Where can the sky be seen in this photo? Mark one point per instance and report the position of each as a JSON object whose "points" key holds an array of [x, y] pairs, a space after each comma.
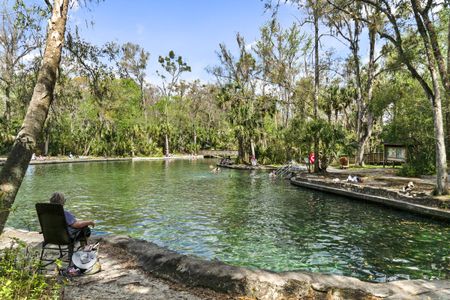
{"points": [[191, 28]]}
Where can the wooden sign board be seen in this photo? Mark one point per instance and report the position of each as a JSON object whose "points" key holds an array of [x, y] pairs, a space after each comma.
{"points": [[395, 153]]}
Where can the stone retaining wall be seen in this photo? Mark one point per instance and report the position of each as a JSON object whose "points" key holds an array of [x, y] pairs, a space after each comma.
{"points": [[426, 206], [413, 197], [260, 284]]}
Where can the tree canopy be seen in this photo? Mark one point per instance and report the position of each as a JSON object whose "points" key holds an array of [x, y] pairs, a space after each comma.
{"points": [[278, 99]]}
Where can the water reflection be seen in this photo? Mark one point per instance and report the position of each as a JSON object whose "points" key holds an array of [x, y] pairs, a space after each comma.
{"points": [[241, 217]]}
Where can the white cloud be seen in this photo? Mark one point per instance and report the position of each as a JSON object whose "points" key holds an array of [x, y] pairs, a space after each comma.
{"points": [[30, 56], [378, 47], [74, 5], [250, 46]]}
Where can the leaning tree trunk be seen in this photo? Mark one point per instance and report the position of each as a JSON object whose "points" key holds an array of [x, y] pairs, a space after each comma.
{"points": [[13, 171]]}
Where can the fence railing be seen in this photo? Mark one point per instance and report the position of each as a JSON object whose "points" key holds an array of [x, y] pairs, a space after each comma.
{"points": [[376, 158]]}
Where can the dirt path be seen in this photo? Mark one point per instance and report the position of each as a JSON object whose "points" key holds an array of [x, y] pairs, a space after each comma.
{"points": [[120, 277]]}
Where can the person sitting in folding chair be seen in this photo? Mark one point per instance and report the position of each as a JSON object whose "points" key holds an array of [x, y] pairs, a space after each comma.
{"points": [[78, 229]]}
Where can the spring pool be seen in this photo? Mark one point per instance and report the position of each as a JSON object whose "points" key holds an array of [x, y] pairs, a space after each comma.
{"points": [[241, 217]]}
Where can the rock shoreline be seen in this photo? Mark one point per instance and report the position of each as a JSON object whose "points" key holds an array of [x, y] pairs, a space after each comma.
{"points": [[260, 284], [138, 269]]}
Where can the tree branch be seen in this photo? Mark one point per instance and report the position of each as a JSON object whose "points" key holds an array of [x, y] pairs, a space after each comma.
{"points": [[49, 5]]}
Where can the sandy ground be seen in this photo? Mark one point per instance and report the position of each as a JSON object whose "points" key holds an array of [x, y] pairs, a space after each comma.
{"points": [[120, 277]]}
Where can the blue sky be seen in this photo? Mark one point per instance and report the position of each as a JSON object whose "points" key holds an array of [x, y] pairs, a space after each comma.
{"points": [[192, 28]]}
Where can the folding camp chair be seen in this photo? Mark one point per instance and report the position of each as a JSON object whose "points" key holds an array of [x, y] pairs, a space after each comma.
{"points": [[55, 232]]}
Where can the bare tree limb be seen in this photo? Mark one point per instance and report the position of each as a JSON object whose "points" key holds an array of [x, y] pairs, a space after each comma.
{"points": [[49, 5]]}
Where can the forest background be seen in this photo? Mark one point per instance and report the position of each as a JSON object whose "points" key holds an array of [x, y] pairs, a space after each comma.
{"points": [[279, 98]]}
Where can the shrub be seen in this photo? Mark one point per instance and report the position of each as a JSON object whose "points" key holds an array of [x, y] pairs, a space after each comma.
{"points": [[20, 277], [343, 161]]}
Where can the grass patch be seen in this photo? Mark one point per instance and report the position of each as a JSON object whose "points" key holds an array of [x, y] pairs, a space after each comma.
{"points": [[20, 277]]}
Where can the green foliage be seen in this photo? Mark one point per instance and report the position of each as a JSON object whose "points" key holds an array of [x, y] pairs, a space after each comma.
{"points": [[411, 124], [263, 97], [332, 139], [19, 276], [173, 65]]}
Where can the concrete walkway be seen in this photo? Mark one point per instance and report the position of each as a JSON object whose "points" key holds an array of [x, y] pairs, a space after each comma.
{"points": [[372, 195], [384, 173], [380, 185]]}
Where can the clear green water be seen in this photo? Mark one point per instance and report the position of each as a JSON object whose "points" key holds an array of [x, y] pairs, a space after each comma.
{"points": [[242, 218]]}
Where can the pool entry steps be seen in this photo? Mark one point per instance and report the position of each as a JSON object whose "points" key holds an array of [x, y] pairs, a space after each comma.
{"points": [[289, 171]]}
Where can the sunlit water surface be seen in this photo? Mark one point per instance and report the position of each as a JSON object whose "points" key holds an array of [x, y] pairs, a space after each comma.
{"points": [[242, 218]]}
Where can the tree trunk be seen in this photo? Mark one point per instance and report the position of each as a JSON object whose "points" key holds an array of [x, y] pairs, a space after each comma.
{"points": [[365, 136], [442, 66], [441, 156], [316, 85], [195, 141], [46, 143], [241, 150], [87, 148], [434, 58], [360, 107], [7, 114], [143, 101], [13, 171], [447, 117], [287, 100], [448, 51], [252, 148], [166, 145], [433, 94], [439, 133]]}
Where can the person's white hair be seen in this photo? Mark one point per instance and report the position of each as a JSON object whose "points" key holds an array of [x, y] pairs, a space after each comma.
{"points": [[58, 198]]}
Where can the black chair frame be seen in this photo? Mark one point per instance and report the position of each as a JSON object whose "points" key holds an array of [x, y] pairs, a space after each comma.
{"points": [[62, 252], [55, 232]]}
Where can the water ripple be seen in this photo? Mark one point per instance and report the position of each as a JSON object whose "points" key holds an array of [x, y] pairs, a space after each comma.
{"points": [[242, 218]]}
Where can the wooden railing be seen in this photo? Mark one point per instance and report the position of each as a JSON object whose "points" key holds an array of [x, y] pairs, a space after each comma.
{"points": [[376, 158]]}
